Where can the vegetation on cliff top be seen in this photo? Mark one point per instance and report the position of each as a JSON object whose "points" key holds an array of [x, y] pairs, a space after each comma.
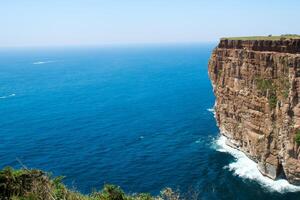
{"points": [[27, 184], [270, 37]]}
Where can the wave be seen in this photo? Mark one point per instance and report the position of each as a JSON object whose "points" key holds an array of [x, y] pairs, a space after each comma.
{"points": [[42, 62], [246, 168], [211, 110], [7, 96], [197, 141]]}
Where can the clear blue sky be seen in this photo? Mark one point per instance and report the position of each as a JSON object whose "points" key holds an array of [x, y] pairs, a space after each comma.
{"points": [[96, 22]]}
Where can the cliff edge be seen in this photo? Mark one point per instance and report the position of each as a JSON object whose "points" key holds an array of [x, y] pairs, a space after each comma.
{"points": [[257, 85]]}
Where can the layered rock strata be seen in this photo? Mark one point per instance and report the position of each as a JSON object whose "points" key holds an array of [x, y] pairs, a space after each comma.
{"points": [[257, 87]]}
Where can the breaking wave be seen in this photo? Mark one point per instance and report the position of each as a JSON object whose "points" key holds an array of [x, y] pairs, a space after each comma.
{"points": [[246, 168], [7, 96], [211, 110]]}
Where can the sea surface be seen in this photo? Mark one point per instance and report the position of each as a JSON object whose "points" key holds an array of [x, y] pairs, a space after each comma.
{"points": [[140, 117]]}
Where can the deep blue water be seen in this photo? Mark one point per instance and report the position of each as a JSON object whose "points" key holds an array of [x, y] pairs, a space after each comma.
{"points": [[132, 116]]}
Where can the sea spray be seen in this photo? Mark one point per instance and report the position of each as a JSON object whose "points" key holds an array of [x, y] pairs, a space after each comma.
{"points": [[246, 168]]}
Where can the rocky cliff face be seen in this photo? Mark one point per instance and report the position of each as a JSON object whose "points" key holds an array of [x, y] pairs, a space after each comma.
{"points": [[257, 87]]}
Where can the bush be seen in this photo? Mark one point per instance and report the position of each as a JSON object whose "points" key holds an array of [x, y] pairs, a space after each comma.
{"points": [[272, 101], [264, 85], [298, 137], [267, 85], [110, 192], [27, 184]]}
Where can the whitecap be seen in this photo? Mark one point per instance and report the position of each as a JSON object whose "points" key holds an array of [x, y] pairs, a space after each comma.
{"points": [[42, 62], [246, 168], [7, 96]]}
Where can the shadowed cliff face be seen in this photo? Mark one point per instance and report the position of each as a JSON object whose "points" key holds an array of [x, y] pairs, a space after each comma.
{"points": [[257, 87], [282, 46]]}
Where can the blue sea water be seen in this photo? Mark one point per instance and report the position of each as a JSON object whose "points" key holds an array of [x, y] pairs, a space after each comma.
{"points": [[135, 116]]}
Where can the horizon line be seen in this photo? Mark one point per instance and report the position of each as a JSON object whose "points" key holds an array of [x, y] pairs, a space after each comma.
{"points": [[113, 44]]}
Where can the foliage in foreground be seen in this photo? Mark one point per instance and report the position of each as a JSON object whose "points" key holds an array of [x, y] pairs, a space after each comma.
{"points": [[26, 184]]}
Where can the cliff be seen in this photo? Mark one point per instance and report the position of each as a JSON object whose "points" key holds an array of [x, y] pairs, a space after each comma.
{"points": [[257, 87]]}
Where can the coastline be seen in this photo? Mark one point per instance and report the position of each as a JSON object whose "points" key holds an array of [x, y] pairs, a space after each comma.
{"points": [[246, 168]]}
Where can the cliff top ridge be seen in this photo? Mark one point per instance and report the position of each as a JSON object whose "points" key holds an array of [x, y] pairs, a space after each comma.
{"points": [[285, 43], [269, 37]]}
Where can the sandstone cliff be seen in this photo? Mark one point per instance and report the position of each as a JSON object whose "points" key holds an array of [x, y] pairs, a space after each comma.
{"points": [[257, 87]]}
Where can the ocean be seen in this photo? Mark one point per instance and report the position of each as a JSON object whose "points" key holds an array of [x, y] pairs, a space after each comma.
{"points": [[140, 117]]}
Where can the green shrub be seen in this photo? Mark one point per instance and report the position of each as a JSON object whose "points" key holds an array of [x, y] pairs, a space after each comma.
{"points": [[219, 72], [59, 189], [267, 85], [111, 192], [27, 184], [272, 101], [144, 196], [298, 137], [264, 85]]}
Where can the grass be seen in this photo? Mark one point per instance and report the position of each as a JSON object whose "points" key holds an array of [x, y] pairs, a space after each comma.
{"points": [[270, 37], [277, 89], [266, 86], [27, 184]]}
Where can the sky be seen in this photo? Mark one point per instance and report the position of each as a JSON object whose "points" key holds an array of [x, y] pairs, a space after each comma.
{"points": [[98, 22]]}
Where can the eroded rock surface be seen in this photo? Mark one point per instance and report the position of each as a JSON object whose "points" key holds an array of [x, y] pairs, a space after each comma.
{"points": [[257, 87]]}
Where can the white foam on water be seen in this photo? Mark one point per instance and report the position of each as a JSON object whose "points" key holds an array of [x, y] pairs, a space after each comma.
{"points": [[42, 62], [7, 96], [246, 168], [212, 110]]}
